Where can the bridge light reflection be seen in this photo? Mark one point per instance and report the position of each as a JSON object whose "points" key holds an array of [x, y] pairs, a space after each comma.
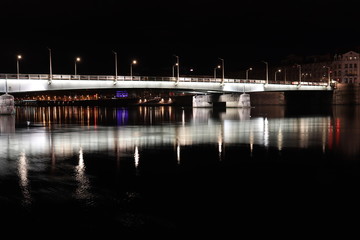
{"points": [[228, 130], [178, 153], [136, 157], [23, 175], [82, 190], [266, 132], [280, 139]]}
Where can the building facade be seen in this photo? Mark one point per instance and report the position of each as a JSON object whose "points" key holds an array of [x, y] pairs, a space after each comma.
{"points": [[342, 68], [345, 67]]}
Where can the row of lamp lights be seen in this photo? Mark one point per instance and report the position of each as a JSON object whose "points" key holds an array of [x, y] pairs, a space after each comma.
{"points": [[133, 62], [77, 60], [279, 70]]}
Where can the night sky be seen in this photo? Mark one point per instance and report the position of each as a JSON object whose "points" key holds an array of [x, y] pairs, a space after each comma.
{"points": [[200, 32]]}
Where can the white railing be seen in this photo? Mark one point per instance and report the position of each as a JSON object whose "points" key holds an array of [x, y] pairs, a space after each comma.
{"points": [[149, 78]]}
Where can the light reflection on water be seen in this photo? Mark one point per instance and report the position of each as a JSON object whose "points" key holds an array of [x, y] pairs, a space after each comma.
{"points": [[57, 135], [83, 187], [49, 136], [23, 179]]}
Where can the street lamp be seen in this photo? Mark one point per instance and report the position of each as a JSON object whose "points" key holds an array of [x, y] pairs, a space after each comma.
{"points": [[50, 66], [19, 57], [222, 71], [116, 73], [267, 72], [173, 69], [328, 74], [218, 66], [277, 71], [132, 63], [177, 70], [299, 66], [247, 73], [76, 61]]}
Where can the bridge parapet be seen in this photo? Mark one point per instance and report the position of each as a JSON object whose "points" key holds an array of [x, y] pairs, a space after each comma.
{"points": [[46, 82]]}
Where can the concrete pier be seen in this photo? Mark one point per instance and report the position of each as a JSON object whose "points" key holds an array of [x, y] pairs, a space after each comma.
{"points": [[223, 100], [7, 104]]}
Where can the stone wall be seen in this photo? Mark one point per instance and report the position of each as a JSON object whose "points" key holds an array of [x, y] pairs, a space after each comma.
{"points": [[346, 94], [267, 98]]}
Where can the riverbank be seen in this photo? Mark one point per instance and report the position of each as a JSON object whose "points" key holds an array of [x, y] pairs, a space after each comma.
{"points": [[113, 102]]}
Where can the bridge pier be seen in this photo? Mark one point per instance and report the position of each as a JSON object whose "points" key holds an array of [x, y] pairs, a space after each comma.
{"points": [[223, 100]]}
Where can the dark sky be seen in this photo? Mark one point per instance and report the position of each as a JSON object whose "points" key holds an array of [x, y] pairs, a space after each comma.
{"points": [[243, 33]]}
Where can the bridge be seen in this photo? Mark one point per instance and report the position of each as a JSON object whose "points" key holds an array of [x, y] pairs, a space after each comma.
{"points": [[22, 83]]}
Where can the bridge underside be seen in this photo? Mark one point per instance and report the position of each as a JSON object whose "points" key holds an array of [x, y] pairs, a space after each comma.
{"points": [[226, 95], [29, 85]]}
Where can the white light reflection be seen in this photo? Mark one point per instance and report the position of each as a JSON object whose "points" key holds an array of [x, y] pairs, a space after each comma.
{"points": [[23, 181], [251, 142], [324, 135], [266, 133], [136, 157], [82, 191], [220, 146], [183, 117], [178, 153], [280, 139]]}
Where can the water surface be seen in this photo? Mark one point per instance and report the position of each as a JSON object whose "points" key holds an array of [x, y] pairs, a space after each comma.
{"points": [[178, 170]]}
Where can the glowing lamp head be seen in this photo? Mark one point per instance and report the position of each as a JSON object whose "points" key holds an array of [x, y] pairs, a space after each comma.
{"points": [[19, 57], [134, 62], [78, 59]]}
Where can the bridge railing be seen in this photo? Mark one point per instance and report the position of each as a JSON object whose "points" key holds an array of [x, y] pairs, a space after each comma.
{"points": [[149, 78]]}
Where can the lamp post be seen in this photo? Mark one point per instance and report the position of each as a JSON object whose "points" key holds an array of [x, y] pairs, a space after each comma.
{"points": [[76, 61], [177, 70], [173, 69], [218, 66], [18, 58], [299, 66], [222, 71], [277, 71], [50, 66], [247, 73], [267, 72], [116, 71], [132, 63], [328, 74]]}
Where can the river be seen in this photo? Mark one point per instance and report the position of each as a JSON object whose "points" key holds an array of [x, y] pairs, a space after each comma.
{"points": [[268, 169]]}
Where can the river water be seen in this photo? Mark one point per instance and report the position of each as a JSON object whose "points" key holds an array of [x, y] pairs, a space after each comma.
{"points": [[267, 170]]}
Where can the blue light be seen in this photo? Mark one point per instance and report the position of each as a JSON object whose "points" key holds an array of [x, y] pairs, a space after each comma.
{"points": [[122, 94]]}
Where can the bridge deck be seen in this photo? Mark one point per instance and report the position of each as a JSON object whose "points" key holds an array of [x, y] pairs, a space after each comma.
{"points": [[45, 82]]}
